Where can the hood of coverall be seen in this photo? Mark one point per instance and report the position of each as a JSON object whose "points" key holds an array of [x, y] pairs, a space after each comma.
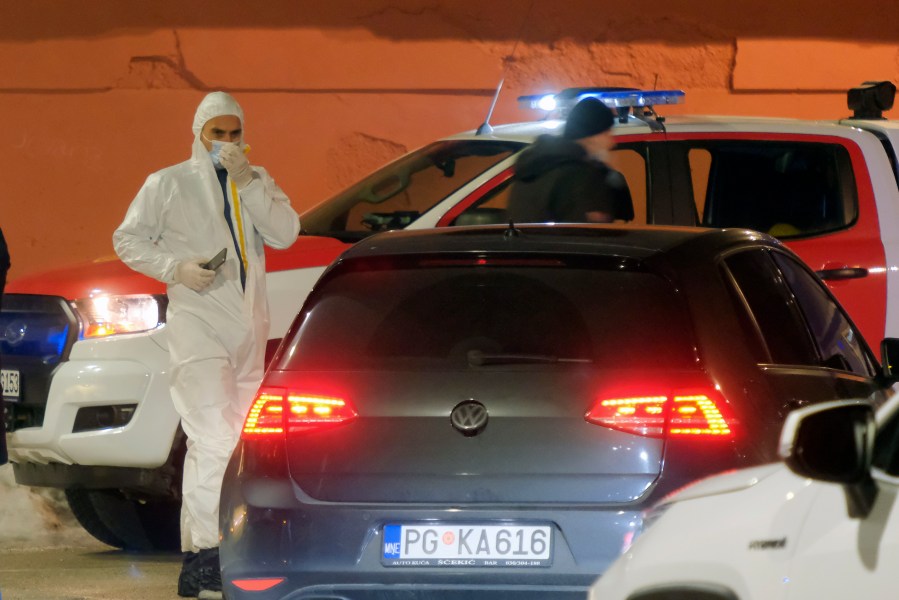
{"points": [[215, 104]]}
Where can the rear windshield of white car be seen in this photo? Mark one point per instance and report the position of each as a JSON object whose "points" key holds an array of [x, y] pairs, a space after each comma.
{"points": [[452, 313], [396, 195]]}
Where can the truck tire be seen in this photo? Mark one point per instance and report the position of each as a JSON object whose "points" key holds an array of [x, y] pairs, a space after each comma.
{"points": [[79, 501], [128, 524], [162, 524]]}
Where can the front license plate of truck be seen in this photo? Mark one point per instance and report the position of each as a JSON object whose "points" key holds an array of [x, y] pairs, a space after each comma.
{"points": [[10, 381], [468, 545]]}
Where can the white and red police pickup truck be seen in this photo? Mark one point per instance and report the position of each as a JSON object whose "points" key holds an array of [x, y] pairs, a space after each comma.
{"points": [[84, 348]]}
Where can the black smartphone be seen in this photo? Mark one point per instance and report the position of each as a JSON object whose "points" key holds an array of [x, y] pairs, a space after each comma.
{"points": [[216, 261]]}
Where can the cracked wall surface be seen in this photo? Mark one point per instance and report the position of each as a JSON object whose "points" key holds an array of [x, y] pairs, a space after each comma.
{"points": [[100, 93]]}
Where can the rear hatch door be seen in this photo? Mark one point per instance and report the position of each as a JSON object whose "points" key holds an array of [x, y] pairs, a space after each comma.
{"points": [[530, 344]]}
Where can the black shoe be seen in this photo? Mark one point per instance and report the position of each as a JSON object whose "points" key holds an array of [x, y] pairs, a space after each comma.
{"points": [[210, 579], [189, 579]]}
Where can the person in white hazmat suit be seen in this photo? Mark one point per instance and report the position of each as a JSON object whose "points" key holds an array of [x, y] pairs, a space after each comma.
{"points": [[217, 320]]}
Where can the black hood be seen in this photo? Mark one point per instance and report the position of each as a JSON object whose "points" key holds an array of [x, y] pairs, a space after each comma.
{"points": [[547, 153]]}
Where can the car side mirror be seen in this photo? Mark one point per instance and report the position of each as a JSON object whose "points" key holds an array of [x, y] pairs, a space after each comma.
{"points": [[834, 442], [889, 359]]}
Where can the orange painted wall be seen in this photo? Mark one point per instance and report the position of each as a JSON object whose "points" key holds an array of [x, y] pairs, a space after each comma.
{"points": [[96, 94]]}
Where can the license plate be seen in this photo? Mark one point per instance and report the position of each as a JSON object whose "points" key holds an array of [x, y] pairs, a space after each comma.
{"points": [[469, 545], [10, 380]]}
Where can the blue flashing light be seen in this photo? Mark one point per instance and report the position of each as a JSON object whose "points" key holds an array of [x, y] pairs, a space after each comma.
{"points": [[635, 98], [547, 102], [57, 339], [613, 98], [537, 101]]}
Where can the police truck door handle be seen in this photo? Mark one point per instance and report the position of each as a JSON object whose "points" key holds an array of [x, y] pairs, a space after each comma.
{"points": [[842, 273]]}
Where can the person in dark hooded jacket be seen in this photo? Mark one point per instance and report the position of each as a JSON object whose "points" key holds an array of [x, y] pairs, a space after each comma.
{"points": [[564, 179]]}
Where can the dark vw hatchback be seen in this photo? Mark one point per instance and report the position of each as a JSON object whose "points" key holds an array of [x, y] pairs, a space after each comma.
{"points": [[484, 412]]}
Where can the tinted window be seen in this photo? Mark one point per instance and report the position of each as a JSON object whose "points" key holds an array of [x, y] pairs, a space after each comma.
{"points": [[787, 189], [631, 163], [396, 195], [430, 315], [772, 308], [838, 341]]}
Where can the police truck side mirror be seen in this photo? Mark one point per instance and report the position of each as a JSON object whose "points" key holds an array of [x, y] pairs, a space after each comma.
{"points": [[889, 359]]}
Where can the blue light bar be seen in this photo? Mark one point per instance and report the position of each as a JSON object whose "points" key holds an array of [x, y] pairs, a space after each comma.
{"points": [[613, 98], [536, 101], [637, 98]]}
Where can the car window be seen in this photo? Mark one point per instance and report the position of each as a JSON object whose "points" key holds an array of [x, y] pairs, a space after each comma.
{"points": [[838, 341], [396, 195], [629, 161], [489, 209], [787, 189], [772, 308], [431, 314]]}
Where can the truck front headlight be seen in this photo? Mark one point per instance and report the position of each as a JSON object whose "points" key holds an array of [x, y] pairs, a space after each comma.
{"points": [[106, 315]]}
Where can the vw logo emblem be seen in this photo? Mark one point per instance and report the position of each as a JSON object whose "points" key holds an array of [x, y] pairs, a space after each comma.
{"points": [[469, 417], [14, 332]]}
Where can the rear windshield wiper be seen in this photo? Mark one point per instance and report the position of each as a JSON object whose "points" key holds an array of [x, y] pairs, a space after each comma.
{"points": [[477, 358]]}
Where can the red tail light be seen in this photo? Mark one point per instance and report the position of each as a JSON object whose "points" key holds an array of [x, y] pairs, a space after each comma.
{"points": [[279, 410], [681, 413]]}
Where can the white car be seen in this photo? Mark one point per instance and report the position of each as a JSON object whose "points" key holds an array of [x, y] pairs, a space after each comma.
{"points": [[823, 524]]}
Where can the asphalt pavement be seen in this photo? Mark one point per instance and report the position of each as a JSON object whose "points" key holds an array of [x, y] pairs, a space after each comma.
{"points": [[46, 555], [91, 572]]}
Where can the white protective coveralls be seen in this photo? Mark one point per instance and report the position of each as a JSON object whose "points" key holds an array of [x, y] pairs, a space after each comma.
{"points": [[216, 337]]}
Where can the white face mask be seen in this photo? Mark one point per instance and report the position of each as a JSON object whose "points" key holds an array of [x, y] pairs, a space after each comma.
{"points": [[215, 151]]}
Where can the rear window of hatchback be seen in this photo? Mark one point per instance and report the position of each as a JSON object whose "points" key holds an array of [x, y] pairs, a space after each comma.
{"points": [[433, 312]]}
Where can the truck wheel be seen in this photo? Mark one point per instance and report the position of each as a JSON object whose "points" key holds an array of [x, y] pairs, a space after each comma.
{"points": [[129, 524], [162, 524], [142, 526], [80, 503]]}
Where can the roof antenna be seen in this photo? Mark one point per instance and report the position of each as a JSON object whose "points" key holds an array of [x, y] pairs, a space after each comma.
{"points": [[485, 127]]}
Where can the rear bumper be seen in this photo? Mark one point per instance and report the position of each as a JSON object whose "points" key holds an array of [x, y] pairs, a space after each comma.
{"points": [[414, 591], [326, 550]]}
